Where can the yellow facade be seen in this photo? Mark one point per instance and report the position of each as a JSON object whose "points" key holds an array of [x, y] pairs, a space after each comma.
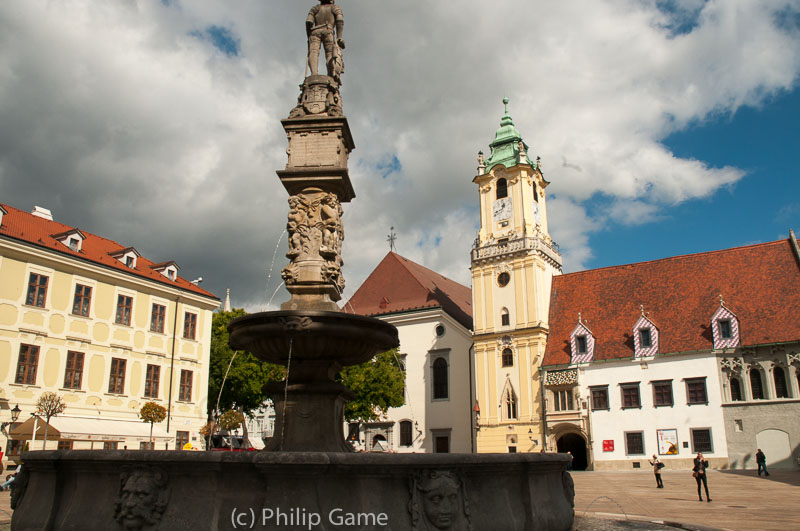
{"points": [[53, 331], [512, 265]]}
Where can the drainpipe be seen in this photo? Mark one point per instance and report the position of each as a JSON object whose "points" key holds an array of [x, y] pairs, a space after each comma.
{"points": [[172, 361], [544, 409], [472, 386]]}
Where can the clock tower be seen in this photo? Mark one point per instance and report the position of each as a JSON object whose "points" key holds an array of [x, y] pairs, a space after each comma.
{"points": [[512, 262]]}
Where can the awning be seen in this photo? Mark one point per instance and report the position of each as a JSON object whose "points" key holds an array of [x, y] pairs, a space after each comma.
{"points": [[89, 429]]}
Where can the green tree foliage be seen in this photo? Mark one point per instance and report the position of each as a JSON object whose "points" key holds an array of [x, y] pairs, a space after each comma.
{"points": [[231, 420], [377, 384], [152, 412], [247, 375]]}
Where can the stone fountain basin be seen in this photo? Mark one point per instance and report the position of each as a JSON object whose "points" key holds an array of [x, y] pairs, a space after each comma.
{"points": [[312, 335], [84, 489]]}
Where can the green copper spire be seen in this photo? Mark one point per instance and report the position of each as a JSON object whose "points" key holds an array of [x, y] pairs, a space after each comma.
{"points": [[506, 144]]}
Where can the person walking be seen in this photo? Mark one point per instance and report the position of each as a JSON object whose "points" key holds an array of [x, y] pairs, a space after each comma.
{"points": [[657, 466], [699, 473], [761, 459]]}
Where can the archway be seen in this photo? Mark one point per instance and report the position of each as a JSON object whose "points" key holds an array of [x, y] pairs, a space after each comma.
{"points": [[574, 443]]}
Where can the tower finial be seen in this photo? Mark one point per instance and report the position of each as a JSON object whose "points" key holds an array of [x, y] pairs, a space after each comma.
{"points": [[641, 309], [505, 102], [391, 239]]}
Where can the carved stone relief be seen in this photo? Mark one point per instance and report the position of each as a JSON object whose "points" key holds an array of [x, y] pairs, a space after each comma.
{"points": [[319, 96], [438, 502], [143, 497]]}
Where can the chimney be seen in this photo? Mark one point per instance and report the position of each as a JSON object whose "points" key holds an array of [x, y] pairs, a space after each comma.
{"points": [[41, 212]]}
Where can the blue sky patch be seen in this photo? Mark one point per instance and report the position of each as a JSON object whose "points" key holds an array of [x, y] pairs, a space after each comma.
{"points": [[222, 39], [389, 166], [682, 20]]}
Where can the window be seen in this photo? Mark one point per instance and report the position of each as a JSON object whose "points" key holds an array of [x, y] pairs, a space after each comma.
{"points": [[510, 404], [185, 390], [116, 380], [441, 444], [151, 381], [181, 438], [508, 357], [440, 383], [630, 395], [701, 440], [73, 375], [146, 445], [80, 304], [662, 393], [644, 338], [37, 290], [504, 318], [353, 431], [502, 188], [580, 342], [503, 279], [406, 435], [564, 400], [124, 307], [73, 243], [26, 366], [65, 445], [736, 390], [157, 318], [755, 385], [440, 330], [130, 261], [189, 325], [110, 445], [15, 447], [696, 391], [781, 390], [599, 397], [634, 443], [725, 329]]}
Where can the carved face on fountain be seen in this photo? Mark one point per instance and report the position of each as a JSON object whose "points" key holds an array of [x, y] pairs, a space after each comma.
{"points": [[142, 498], [441, 500]]}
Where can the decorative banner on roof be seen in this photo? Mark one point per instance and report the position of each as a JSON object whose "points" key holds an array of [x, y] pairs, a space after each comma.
{"points": [[563, 377]]}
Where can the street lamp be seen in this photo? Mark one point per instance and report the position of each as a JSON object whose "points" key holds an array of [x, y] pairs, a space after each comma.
{"points": [[14, 416]]}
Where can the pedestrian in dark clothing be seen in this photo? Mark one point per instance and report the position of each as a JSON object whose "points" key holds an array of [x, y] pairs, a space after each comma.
{"points": [[761, 459], [699, 473], [657, 466]]}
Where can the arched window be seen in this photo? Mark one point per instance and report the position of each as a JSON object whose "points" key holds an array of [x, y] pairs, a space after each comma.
{"points": [[406, 437], [504, 318], [440, 387], [379, 444], [510, 404], [508, 357], [781, 389], [502, 188], [736, 390], [755, 385], [535, 194]]}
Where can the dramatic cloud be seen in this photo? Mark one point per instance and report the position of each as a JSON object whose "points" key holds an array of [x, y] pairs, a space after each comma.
{"points": [[156, 123]]}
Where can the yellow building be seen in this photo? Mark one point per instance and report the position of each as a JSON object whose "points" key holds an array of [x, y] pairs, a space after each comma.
{"points": [[512, 263], [104, 328]]}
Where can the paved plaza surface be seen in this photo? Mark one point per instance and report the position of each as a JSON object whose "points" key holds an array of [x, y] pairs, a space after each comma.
{"points": [[629, 500], [740, 500]]}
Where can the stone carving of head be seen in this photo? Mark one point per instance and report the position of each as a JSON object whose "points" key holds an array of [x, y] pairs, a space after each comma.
{"points": [[438, 502], [143, 497]]}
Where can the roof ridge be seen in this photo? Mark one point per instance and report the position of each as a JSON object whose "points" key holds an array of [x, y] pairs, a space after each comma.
{"points": [[676, 257]]}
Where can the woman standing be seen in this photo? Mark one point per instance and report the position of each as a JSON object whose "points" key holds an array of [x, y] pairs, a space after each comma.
{"points": [[699, 473], [657, 466]]}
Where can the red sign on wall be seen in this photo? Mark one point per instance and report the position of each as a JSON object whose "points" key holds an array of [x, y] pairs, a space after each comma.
{"points": [[608, 446]]}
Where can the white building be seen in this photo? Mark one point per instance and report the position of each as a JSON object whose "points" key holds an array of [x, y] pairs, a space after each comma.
{"points": [[433, 317]]}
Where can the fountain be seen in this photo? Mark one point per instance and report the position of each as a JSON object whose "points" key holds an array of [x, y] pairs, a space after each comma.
{"points": [[307, 477]]}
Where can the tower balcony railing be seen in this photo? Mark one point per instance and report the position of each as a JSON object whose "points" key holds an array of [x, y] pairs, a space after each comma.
{"points": [[482, 252]]}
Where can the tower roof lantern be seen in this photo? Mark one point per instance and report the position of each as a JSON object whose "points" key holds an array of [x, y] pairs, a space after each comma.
{"points": [[506, 145]]}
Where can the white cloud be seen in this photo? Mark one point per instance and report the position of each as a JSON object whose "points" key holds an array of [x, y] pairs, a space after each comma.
{"points": [[124, 122]]}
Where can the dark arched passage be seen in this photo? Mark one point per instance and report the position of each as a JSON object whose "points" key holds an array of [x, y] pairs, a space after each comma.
{"points": [[574, 443]]}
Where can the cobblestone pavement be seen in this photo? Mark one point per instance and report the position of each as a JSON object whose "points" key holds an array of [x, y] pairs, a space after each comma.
{"points": [[740, 500]]}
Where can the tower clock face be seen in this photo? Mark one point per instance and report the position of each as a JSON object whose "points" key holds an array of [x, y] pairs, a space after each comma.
{"points": [[502, 209]]}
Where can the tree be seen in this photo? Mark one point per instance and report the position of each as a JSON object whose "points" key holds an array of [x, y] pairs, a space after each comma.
{"points": [[235, 379], [152, 412], [49, 405], [378, 385], [231, 420]]}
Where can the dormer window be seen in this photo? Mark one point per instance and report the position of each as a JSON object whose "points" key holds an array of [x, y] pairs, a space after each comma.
{"points": [[130, 261], [645, 337], [127, 256], [502, 188], [3, 212], [72, 239], [724, 327], [581, 343], [168, 269]]}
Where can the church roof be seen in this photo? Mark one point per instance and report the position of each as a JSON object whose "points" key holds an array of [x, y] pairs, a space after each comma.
{"points": [[44, 233], [760, 284], [399, 285], [505, 147]]}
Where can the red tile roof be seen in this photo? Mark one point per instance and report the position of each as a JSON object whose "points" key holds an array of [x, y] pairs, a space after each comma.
{"points": [[760, 284], [399, 285], [20, 225]]}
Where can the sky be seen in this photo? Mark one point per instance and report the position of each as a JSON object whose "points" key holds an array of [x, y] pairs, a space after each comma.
{"points": [[665, 127]]}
